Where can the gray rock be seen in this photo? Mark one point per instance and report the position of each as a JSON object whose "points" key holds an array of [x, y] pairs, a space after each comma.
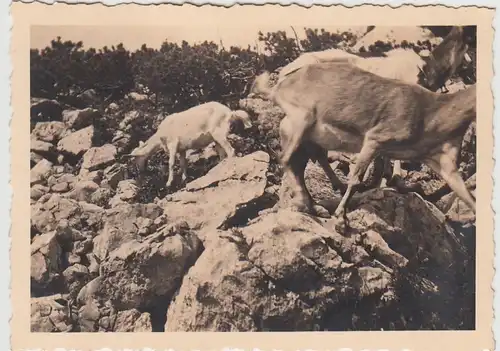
{"points": [[132, 321], [215, 199], [130, 117], [122, 141], [49, 315], [120, 226], [37, 191], [51, 209], [137, 273], [101, 197], [50, 132], [287, 270], [77, 143], [57, 178], [34, 159], [60, 187], [99, 157], [83, 190], [43, 148], [115, 174], [89, 315], [40, 173], [45, 261], [126, 192], [77, 119], [75, 278]]}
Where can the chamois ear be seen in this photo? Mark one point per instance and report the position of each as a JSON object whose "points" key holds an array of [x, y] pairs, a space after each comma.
{"points": [[141, 143]]}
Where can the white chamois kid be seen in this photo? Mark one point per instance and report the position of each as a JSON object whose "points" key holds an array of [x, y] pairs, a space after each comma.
{"points": [[195, 128]]}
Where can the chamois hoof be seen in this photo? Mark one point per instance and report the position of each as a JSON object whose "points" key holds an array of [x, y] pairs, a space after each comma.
{"points": [[341, 225], [340, 212], [403, 186]]}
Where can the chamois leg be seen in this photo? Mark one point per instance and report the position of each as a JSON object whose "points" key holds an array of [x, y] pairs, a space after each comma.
{"points": [[445, 164], [140, 163], [183, 165], [358, 170], [398, 181], [396, 171], [220, 151], [171, 149], [396, 177], [295, 169], [302, 199], [386, 170], [221, 139], [377, 170], [322, 158], [295, 123]]}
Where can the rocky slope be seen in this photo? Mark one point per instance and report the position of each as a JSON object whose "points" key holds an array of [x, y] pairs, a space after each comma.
{"points": [[216, 254], [209, 255]]}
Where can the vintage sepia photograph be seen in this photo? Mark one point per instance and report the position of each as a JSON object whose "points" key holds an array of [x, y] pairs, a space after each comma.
{"points": [[280, 177], [156, 173]]}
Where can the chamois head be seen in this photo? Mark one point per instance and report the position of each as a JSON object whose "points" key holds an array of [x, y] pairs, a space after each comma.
{"points": [[244, 117], [442, 62], [138, 156]]}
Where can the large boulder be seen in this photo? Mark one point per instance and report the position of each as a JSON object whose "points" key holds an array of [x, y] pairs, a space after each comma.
{"points": [[51, 209], [222, 196], [132, 321], [49, 314], [141, 272], [123, 224], [45, 261], [288, 271]]}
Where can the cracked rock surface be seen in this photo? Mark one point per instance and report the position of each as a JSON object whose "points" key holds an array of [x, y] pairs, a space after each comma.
{"points": [[287, 271], [214, 253], [215, 199]]}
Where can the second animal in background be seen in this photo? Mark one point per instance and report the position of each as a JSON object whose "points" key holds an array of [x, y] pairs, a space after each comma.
{"points": [[195, 128]]}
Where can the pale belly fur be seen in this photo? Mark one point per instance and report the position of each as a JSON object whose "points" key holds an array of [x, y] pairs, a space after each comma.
{"points": [[198, 141], [334, 139]]}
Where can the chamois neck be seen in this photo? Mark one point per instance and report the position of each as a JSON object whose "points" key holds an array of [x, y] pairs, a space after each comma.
{"points": [[151, 146], [461, 103]]}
